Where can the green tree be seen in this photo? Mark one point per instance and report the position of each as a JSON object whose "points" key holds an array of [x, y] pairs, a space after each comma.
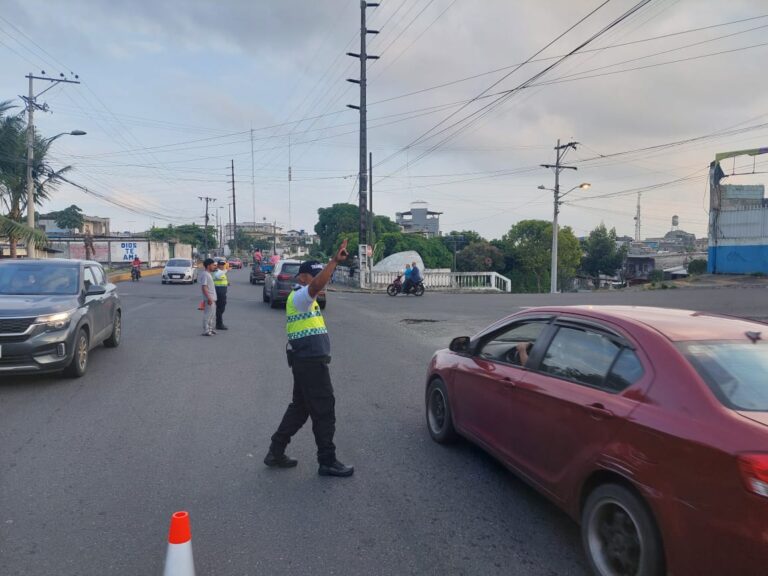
{"points": [[480, 256], [601, 253], [13, 177], [432, 251], [185, 234], [467, 237], [338, 219], [244, 242], [69, 219], [527, 249]]}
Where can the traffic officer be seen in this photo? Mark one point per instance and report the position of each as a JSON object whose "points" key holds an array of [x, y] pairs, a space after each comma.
{"points": [[221, 282], [309, 353]]}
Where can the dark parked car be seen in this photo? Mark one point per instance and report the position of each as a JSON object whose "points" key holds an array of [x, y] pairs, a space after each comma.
{"points": [[257, 273], [648, 426], [53, 313], [279, 283]]}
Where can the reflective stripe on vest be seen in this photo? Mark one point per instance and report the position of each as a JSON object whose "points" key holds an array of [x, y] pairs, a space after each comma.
{"points": [[303, 324], [220, 279]]}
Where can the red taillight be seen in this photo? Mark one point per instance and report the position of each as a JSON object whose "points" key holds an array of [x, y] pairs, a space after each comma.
{"points": [[284, 276], [754, 472]]}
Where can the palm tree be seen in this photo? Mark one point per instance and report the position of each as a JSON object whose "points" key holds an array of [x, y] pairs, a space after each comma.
{"points": [[13, 177]]}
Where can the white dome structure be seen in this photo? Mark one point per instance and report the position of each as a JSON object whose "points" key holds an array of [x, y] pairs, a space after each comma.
{"points": [[396, 262]]}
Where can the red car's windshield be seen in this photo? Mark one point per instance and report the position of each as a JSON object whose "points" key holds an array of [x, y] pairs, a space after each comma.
{"points": [[734, 370]]}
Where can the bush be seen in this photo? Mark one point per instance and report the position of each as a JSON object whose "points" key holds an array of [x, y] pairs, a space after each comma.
{"points": [[656, 276], [697, 266]]}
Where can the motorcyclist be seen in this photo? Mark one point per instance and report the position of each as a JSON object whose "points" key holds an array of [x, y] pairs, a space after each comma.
{"points": [[136, 267]]}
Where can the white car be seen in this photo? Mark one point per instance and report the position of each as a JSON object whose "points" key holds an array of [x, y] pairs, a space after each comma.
{"points": [[180, 270]]}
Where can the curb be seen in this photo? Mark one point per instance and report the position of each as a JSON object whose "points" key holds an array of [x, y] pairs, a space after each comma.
{"points": [[125, 276]]}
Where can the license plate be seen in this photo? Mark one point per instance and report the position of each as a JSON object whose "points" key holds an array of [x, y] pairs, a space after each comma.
{"points": [[176, 276]]}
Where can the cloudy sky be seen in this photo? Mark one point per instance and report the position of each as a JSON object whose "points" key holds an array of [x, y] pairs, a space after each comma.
{"points": [[173, 90]]}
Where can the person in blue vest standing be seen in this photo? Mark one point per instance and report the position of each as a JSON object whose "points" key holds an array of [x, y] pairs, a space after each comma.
{"points": [[309, 354], [221, 282]]}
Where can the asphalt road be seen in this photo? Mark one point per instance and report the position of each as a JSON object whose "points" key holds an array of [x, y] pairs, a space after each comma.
{"points": [[92, 469]]}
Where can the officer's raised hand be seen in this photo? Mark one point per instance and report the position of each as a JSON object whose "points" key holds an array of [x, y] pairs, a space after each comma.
{"points": [[319, 282]]}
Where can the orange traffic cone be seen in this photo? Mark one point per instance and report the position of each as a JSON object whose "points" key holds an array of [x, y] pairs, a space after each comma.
{"points": [[201, 306], [178, 559]]}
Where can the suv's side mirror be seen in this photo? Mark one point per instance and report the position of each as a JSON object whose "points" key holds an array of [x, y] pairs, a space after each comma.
{"points": [[459, 344], [95, 290]]}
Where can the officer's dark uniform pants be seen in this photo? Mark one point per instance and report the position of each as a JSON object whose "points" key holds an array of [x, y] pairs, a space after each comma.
{"points": [[221, 304], [312, 397]]}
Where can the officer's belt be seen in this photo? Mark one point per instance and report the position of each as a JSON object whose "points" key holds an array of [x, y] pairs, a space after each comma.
{"points": [[312, 360]]}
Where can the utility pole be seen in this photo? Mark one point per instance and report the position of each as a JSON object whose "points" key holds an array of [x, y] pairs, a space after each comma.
{"points": [[234, 211], [363, 56], [31, 102], [371, 238], [289, 182], [637, 220], [455, 239], [274, 237], [253, 181], [206, 199], [560, 151]]}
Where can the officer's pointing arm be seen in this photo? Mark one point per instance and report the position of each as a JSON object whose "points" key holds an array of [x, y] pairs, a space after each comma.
{"points": [[319, 281]]}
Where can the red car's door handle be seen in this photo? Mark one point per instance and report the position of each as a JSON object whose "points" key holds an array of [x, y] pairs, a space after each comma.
{"points": [[598, 411]]}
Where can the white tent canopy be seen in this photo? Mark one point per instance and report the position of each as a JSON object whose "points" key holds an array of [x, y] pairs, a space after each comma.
{"points": [[396, 262]]}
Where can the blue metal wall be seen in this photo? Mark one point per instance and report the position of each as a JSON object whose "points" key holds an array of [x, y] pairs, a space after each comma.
{"points": [[738, 259]]}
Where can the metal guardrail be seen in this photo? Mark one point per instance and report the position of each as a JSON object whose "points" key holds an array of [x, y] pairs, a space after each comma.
{"points": [[432, 279]]}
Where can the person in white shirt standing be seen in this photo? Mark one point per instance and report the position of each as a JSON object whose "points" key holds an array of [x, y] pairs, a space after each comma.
{"points": [[209, 297]]}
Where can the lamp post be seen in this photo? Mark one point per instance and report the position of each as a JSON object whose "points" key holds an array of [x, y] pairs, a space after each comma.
{"points": [[555, 230], [31, 184]]}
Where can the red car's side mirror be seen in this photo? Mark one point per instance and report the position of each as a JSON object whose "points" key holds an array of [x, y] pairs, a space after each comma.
{"points": [[459, 344]]}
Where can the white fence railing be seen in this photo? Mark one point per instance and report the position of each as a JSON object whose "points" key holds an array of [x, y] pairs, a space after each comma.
{"points": [[432, 279]]}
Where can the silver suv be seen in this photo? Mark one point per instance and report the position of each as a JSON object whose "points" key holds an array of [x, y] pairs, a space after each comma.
{"points": [[53, 313], [279, 283]]}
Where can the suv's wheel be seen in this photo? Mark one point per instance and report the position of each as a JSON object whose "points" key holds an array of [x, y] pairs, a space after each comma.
{"points": [[322, 304], [439, 415], [272, 302], [619, 534], [79, 362], [117, 331], [264, 294]]}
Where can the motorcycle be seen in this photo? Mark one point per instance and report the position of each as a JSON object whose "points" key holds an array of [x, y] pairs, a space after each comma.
{"points": [[417, 289], [135, 274]]}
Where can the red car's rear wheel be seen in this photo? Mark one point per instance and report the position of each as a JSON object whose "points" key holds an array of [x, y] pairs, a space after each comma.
{"points": [[619, 534]]}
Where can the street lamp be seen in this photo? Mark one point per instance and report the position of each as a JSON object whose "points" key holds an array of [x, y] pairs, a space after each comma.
{"points": [[31, 184], [555, 229]]}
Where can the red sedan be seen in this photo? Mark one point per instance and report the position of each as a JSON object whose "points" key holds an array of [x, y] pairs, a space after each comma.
{"points": [[648, 426], [235, 263]]}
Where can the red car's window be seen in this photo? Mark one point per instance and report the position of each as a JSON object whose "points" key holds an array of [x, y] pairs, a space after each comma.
{"points": [[734, 370], [502, 345], [582, 356], [626, 371]]}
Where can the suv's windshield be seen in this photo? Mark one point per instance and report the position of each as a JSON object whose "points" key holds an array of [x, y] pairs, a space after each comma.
{"points": [[43, 279], [179, 263], [734, 370]]}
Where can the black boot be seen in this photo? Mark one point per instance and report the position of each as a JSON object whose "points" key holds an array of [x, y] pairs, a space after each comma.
{"points": [[279, 460], [335, 469]]}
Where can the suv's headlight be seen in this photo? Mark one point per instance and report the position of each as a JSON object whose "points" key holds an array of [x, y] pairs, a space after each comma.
{"points": [[57, 321]]}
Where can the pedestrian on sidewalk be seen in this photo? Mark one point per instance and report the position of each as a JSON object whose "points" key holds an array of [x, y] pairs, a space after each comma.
{"points": [[209, 297], [221, 282], [309, 354]]}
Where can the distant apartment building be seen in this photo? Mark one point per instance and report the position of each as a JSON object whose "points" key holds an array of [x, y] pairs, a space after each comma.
{"points": [[419, 219], [255, 230]]}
